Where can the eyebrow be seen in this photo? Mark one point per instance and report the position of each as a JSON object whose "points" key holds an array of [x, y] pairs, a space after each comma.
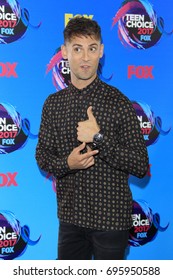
{"points": [[79, 45]]}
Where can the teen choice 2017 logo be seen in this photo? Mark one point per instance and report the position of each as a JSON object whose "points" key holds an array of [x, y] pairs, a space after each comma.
{"points": [[14, 239], [60, 70], [145, 224], [14, 21], [14, 131], [138, 24], [151, 126]]}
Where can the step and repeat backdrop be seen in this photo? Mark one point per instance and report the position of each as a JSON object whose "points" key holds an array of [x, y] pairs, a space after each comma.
{"points": [[138, 59]]}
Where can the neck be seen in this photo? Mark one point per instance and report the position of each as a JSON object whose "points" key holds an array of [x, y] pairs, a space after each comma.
{"points": [[80, 83]]}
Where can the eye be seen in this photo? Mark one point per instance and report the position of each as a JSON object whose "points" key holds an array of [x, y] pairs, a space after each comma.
{"points": [[93, 49], [77, 49]]}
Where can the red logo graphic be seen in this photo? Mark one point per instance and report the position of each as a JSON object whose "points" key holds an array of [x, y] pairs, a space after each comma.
{"points": [[8, 69], [8, 179], [141, 72]]}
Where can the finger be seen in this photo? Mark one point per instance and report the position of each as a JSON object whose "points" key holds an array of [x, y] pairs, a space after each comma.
{"points": [[79, 124], [90, 113], [88, 148], [89, 162], [89, 154], [81, 147]]}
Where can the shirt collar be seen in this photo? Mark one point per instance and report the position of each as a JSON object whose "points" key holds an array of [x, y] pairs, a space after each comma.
{"points": [[86, 90]]}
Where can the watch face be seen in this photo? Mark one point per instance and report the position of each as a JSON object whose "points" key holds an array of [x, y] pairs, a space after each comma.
{"points": [[98, 138]]}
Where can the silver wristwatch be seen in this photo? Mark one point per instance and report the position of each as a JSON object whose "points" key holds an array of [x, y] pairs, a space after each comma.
{"points": [[97, 139]]}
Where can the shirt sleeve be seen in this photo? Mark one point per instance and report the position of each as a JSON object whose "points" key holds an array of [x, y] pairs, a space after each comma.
{"points": [[126, 150], [46, 152]]}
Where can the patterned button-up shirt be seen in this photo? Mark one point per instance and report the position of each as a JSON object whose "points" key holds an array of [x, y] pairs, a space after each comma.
{"points": [[98, 197]]}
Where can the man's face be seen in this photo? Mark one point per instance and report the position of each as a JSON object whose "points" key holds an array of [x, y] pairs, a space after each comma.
{"points": [[83, 54]]}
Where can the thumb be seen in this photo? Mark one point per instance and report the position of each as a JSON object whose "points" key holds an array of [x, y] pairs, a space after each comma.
{"points": [[90, 113]]}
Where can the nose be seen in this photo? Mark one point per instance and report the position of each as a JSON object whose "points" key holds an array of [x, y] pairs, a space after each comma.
{"points": [[85, 55]]}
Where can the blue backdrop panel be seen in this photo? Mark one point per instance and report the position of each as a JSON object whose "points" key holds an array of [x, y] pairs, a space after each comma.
{"points": [[138, 60]]}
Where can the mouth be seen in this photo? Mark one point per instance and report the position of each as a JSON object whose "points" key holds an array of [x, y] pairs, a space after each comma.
{"points": [[85, 67]]}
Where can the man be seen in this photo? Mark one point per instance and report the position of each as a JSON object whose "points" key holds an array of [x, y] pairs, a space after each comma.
{"points": [[90, 140]]}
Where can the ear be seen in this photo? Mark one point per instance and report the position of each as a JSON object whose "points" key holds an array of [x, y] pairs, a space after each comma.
{"points": [[101, 50], [64, 51]]}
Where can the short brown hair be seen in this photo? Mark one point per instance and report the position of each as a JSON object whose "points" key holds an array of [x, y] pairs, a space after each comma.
{"points": [[82, 26]]}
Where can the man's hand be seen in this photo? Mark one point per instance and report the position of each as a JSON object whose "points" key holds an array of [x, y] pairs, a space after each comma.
{"points": [[87, 129], [76, 160]]}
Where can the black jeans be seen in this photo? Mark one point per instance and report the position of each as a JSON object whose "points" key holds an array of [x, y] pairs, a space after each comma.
{"points": [[78, 243]]}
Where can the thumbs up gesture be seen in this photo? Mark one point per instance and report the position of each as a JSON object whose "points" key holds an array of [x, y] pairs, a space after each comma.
{"points": [[87, 129]]}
